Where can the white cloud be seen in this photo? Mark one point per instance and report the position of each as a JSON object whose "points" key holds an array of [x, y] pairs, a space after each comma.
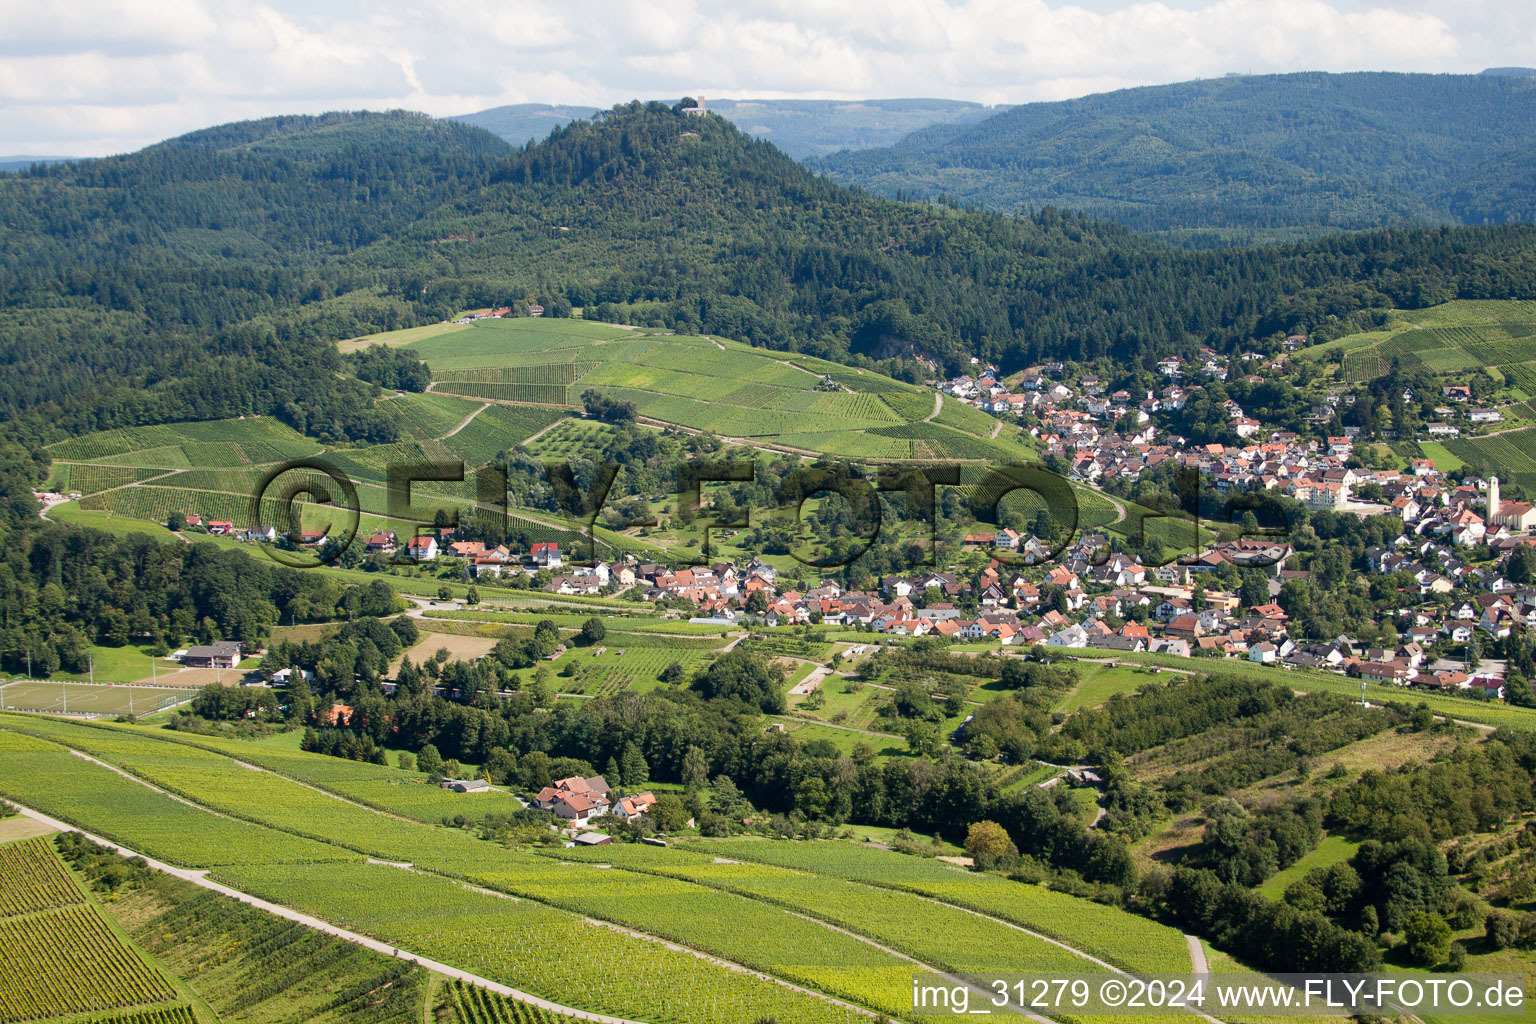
{"points": [[96, 76]]}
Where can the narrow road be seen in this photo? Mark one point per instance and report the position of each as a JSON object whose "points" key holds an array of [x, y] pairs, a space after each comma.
{"points": [[938, 407], [1197, 954], [200, 878]]}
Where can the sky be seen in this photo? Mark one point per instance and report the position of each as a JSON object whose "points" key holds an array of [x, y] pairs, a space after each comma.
{"points": [[91, 77]]}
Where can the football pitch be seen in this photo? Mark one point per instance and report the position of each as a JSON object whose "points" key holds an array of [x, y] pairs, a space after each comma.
{"points": [[88, 699]]}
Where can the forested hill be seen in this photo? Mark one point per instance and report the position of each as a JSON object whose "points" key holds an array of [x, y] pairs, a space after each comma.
{"points": [[686, 221], [801, 128], [1279, 154], [207, 276], [201, 277]]}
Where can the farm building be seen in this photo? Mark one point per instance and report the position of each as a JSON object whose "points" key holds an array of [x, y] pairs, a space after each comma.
{"points": [[219, 654], [466, 785]]}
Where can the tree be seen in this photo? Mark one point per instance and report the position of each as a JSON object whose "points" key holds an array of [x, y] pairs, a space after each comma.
{"points": [[501, 766], [593, 631], [695, 769], [472, 596], [632, 764], [1427, 937], [612, 775], [406, 760], [668, 813], [1255, 589], [429, 760], [987, 842]]}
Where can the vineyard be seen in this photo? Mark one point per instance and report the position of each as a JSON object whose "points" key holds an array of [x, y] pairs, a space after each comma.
{"points": [[60, 956], [1132, 941], [470, 1004], [1457, 336], [252, 966], [1511, 454], [753, 913], [85, 478], [533, 373], [532, 947], [613, 672], [186, 445], [426, 416], [496, 429], [540, 394], [47, 777], [160, 1015], [32, 878], [938, 935]]}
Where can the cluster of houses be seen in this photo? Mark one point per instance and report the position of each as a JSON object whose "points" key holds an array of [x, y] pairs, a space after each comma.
{"points": [[578, 800]]}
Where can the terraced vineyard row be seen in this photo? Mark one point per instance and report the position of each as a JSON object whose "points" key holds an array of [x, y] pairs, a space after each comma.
{"points": [[425, 416], [32, 878], [544, 394], [495, 430], [88, 479], [46, 776], [262, 435], [471, 1004], [530, 946], [1133, 942], [534, 373], [167, 1015], [67, 961]]}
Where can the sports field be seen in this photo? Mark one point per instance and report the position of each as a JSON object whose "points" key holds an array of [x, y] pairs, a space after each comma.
{"points": [[85, 699]]}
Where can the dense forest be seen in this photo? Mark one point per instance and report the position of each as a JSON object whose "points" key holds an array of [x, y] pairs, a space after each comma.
{"points": [[207, 276], [1242, 156]]}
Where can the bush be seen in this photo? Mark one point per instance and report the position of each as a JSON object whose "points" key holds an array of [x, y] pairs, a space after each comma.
{"points": [[1427, 937]]}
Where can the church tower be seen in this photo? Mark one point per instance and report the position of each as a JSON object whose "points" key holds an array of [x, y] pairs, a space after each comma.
{"points": [[1493, 497]]}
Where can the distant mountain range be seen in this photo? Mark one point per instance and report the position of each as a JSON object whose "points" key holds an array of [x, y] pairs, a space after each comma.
{"points": [[1243, 157], [801, 128], [21, 163]]}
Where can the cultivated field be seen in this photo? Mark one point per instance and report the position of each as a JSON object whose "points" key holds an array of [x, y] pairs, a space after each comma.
{"points": [[60, 956], [1499, 336], [847, 922]]}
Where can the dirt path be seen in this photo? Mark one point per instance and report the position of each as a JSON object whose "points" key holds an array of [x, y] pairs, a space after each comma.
{"points": [[200, 878], [996, 429], [541, 432], [806, 720], [938, 407], [465, 422]]}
